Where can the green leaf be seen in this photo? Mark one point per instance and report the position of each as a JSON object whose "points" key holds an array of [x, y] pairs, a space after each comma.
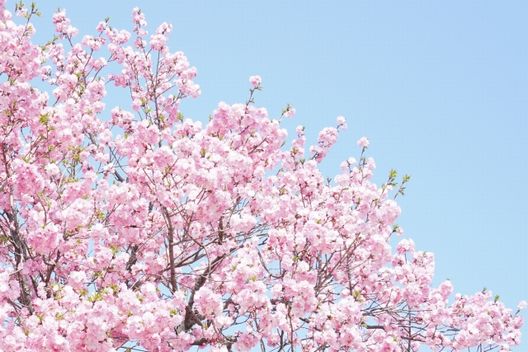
{"points": [[44, 119]]}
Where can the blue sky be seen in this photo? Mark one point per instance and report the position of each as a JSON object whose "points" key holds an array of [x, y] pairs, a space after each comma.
{"points": [[439, 88]]}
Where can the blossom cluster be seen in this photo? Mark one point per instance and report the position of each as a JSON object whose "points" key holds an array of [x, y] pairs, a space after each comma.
{"points": [[134, 227]]}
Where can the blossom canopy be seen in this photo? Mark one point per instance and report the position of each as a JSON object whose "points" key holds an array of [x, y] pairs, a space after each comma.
{"points": [[136, 228]]}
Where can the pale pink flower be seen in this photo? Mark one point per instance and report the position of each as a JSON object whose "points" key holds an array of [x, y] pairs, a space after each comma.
{"points": [[255, 81], [341, 122], [363, 142]]}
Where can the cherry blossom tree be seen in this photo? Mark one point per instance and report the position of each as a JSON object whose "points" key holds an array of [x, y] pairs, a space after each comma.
{"points": [[135, 228]]}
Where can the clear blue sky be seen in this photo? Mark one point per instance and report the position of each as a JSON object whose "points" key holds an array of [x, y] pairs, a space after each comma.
{"points": [[440, 89]]}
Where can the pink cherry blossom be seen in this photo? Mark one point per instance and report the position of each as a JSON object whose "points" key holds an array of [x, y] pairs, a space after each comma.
{"points": [[341, 122], [135, 227], [255, 81], [363, 142]]}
